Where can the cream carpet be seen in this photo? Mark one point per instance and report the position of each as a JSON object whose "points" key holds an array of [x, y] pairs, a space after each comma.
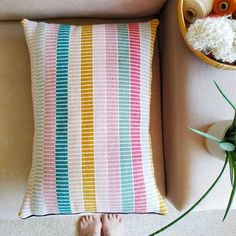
{"points": [[207, 223]]}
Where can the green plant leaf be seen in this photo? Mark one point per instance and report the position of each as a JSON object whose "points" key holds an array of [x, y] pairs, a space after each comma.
{"points": [[231, 169], [233, 188], [234, 155], [205, 135], [225, 97], [226, 146], [191, 208], [230, 139], [231, 132], [232, 128]]}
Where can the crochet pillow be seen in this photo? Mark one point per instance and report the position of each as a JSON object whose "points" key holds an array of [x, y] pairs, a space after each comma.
{"points": [[91, 100]]}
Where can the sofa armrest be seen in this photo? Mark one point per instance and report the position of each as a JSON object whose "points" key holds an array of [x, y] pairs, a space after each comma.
{"points": [[190, 99]]}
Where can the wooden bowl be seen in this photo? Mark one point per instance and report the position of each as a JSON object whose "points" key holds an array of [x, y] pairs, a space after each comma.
{"points": [[199, 54]]}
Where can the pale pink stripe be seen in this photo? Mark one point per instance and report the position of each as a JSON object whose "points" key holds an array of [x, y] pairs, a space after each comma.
{"points": [[112, 118], [100, 118], [50, 198], [74, 129], [135, 117]]}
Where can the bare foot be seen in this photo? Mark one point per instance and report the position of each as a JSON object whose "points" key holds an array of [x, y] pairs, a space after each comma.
{"points": [[90, 225], [112, 225]]}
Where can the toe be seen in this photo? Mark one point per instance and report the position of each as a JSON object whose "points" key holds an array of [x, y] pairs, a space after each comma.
{"points": [[119, 217], [90, 218], [96, 218], [104, 217], [82, 221]]}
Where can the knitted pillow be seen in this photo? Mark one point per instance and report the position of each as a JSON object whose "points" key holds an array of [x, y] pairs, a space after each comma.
{"points": [[91, 99]]}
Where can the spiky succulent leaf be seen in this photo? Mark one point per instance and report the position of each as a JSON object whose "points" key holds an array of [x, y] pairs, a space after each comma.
{"points": [[206, 135], [231, 168], [226, 146]]}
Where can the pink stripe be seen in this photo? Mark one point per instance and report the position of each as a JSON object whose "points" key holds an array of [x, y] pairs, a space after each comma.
{"points": [[112, 118], [135, 117], [50, 119]]}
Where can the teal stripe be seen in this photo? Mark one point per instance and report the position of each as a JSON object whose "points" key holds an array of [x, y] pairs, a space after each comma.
{"points": [[124, 114], [61, 149], [38, 87]]}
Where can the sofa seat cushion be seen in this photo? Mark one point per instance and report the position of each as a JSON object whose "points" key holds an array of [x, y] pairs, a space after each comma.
{"points": [[18, 9], [190, 98], [16, 122]]}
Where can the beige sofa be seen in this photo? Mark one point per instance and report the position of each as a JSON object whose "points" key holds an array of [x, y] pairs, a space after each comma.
{"points": [[185, 83]]}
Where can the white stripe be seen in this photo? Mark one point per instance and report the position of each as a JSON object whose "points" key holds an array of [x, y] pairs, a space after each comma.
{"points": [[74, 115], [100, 116], [145, 41]]}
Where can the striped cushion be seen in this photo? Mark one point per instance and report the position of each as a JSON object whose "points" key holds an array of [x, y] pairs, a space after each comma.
{"points": [[91, 99]]}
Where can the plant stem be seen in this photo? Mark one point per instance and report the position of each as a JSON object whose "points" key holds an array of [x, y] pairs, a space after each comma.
{"points": [[233, 126], [191, 208], [225, 97], [234, 184]]}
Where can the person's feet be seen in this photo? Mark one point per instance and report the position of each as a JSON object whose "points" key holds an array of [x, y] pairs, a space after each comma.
{"points": [[90, 225], [112, 225]]}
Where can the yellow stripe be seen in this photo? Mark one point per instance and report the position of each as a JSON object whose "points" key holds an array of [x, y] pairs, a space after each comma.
{"points": [[87, 124], [23, 23], [153, 24]]}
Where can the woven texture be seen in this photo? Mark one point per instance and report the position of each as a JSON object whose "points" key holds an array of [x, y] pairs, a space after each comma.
{"points": [[91, 98]]}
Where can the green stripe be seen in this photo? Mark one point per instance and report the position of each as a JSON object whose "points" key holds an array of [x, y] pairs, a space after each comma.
{"points": [[124, 114]]}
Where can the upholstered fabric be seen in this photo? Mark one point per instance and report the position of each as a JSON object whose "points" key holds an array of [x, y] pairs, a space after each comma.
{"points": [[16, 123], [91, 98], [191, 99], [18, 9]]}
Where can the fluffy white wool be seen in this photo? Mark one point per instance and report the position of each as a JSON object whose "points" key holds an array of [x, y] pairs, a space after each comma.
{"points": [[214, 35]]}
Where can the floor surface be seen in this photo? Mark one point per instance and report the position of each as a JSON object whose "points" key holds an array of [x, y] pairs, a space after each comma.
{"points": [[207, 223]]}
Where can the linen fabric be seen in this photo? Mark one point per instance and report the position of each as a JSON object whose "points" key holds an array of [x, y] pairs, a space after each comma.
{"points": [[91, 100], [49, 9], [190, 98]]}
